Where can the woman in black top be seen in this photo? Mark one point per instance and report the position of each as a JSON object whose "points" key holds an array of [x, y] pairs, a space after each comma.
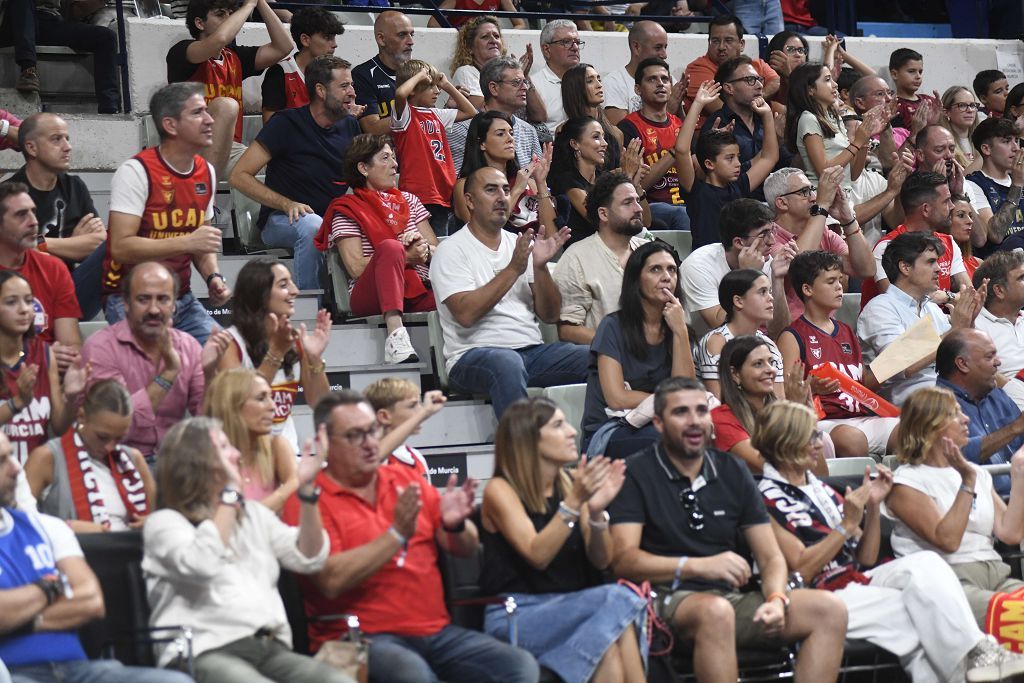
{"points": [[546, 539]]}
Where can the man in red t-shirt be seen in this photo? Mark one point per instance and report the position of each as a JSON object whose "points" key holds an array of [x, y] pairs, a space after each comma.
{"points": [[208, 59], [385, 525], [56, 307], [927, 205]]}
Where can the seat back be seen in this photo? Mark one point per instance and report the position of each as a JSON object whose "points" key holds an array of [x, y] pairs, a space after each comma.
{"points": [[681, 240], [247, 213], [850, 309], [838, 467], [339, 283], [436, 335]]}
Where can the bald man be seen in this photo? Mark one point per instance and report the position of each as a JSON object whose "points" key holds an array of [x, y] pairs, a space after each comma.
{"points": [[375, 79], [646, 39]]}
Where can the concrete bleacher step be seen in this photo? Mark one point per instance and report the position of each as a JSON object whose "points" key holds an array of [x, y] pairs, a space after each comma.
{"points": [[362, 345], [229, 267]]}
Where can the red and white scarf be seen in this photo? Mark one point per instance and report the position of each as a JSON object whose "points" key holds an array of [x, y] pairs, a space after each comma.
{"points": [[85, 490]]}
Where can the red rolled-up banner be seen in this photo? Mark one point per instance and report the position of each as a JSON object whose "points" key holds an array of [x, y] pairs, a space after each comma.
{"points": [[860, 393]]}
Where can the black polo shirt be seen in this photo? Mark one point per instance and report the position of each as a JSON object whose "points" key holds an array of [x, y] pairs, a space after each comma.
{"points": [[726, 494]]}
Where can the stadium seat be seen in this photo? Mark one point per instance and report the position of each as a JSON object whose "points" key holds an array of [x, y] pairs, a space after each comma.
{"points": [[570, 398], [839, 467], [681, 240], [850, 309]]}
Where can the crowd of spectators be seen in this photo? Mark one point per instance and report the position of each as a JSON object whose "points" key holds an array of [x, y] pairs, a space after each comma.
{"points": [[720, 382]]}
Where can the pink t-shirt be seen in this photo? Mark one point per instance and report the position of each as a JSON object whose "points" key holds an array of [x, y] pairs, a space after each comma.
{"points": [[830, 241]]}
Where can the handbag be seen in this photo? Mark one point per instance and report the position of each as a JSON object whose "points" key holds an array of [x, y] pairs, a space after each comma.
{"points": [[350, 654]]}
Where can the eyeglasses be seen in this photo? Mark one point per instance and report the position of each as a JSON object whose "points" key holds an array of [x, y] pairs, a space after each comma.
{"points": [[965, 106], [795, 50], [806, 191], [749, 80], [764, 235], [728, 42], [516, 83], [688, 499], [816, 436], [568, 43], [357, 437]]}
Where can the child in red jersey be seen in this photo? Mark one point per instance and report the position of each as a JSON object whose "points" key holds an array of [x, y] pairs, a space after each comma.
{"points": [[424, 158], [400, 413], [817, 338]]}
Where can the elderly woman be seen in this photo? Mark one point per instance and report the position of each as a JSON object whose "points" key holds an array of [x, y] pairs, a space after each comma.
{"points": [[86, 476], [479, 41], [913, 606], [384, 238], [546, 540], [244, 403], [942, 502], [212, 560]]}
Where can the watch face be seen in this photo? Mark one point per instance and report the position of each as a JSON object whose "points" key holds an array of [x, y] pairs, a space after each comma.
{"points": [[230, 497]]}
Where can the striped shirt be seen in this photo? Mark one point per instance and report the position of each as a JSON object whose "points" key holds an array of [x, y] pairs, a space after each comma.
{"points": [[706, 364]]}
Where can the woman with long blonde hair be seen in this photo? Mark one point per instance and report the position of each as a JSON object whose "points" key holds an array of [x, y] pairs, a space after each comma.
{"points": [[546, 540], [241, 399], [960, 117]]}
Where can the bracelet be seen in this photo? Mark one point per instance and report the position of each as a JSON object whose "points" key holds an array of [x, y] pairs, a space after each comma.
{"points": [[780, 596], [568, 515], [848, 235], [315, 369], [969, 492], [276, 360], [677, 578], [855, 146], [603, 524], [846, 534], [163, 383], [851, 222], [5, 126], [402, 540], [212, 275], [457, 529]]}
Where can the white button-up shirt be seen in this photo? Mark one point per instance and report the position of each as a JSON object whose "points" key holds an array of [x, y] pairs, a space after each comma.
{"points": [[1009, 340]]}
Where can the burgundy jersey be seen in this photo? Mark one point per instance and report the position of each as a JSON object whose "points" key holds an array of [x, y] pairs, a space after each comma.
{"points": [[29, 427], [840, 350]]}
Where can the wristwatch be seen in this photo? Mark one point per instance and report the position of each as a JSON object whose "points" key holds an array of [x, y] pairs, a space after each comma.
{"points": [[231, 497], [312, 497], [819, 211]]}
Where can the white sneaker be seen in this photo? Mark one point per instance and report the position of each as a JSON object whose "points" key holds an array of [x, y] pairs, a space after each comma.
{"points": [[989, 661], [398, 348]]}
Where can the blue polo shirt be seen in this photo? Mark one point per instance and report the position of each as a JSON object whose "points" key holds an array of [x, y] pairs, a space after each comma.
{"points": [[989, 415], [305, 157]]}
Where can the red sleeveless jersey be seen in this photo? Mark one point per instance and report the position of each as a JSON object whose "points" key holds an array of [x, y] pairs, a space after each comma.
{"points": [[222, 77], [840, 350], [658, 140], [175, 207], [295, 93], [426, 159], [28, 429]]}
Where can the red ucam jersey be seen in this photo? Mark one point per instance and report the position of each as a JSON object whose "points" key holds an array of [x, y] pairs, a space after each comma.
{"points": [[29, 427], [295, 93], [658, 139], [427, 170], [176, 205], [840, 350], [222, 77]]}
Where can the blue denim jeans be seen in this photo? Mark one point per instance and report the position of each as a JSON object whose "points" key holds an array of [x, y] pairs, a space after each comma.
{"points": [[101, 671], [453, 654], [674, 217], [504, 374], [88, 279], [297, 236], [759, 16], [189, 316]]}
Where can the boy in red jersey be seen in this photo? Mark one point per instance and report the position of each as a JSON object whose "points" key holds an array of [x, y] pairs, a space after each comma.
{"points": [[401, 414], [425, 160], [208, 59], [817, 338]]}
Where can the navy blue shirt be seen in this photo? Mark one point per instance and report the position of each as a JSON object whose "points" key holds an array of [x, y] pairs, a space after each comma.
{"points": [[750, 141], [305, 163], [703, 204], [375, 87], [989, 415]]}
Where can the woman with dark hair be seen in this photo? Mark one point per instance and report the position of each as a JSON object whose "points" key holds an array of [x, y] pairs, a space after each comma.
{"points": [[642, 343], [579, 157], [913, 607], [384, 238], [546, 542], [746, 374], [583, 95], [86, 476], [32, 400], [1014, 107], [212, 560], [815, 131], [786, 51], [243, 402], [745, 295], [265, 341], [490, 142]]}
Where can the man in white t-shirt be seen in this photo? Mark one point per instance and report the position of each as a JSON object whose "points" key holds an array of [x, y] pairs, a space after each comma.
{"points": [[561, 45], [1002, 318], [747, 238], [490, 287], [646, 39]]}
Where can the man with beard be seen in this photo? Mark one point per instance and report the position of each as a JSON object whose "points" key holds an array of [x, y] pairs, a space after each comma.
{"points": [[491, 287], [302, 150], [164, 368], [161, 208], [47, 590], [677, 522], [375, 78], [589, 274], [646, 39], [927, 206]]}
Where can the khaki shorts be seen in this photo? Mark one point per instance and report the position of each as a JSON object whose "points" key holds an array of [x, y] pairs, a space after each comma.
{"points": [[981, 580], [748, 633]]}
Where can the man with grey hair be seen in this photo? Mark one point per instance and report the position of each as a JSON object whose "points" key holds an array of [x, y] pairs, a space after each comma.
{"points": [[1001, 316], [504, 86], [161, 205], [799, 221], [646, 39], [561, 45]]}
